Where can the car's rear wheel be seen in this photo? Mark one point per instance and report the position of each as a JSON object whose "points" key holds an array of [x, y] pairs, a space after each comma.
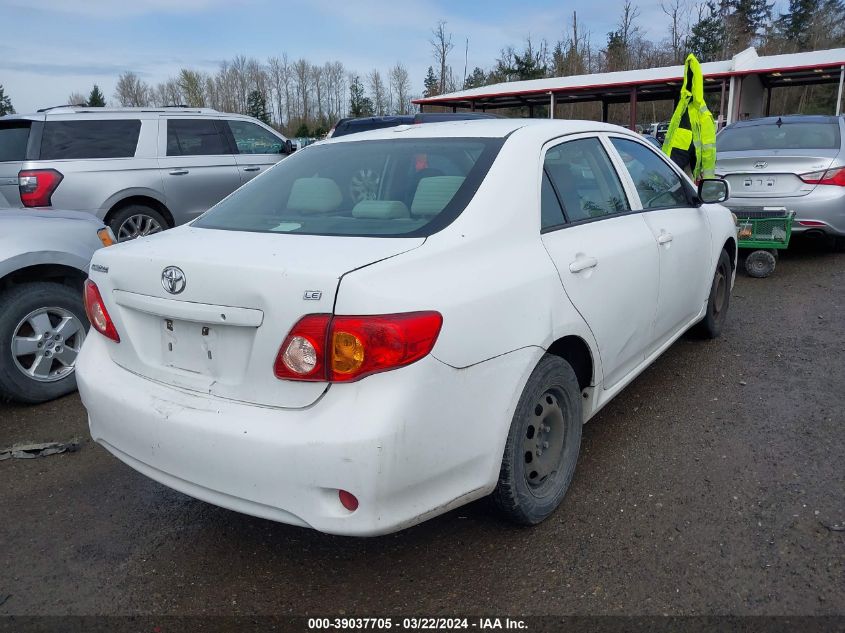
{"points": [[42, 328], [543, 444], [719, 300], [136, 220]]}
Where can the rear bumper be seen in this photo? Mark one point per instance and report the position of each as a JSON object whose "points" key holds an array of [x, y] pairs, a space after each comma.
{"points": [[409, 444], [825, 204]]}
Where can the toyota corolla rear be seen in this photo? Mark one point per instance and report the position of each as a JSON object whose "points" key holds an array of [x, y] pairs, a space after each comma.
{"points": [[221, 368], [796, 162]]}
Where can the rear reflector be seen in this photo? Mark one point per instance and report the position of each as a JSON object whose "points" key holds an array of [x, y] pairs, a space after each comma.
{"points": [[811, 223], [830, 177], [321, 347], [348, 500], [97, 313], [36, 186]]}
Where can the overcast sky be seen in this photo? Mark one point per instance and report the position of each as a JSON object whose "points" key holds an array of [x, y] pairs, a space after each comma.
{"points": [[51, 48]]}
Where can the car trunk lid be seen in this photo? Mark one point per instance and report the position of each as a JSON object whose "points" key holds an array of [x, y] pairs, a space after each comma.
{"points": [[764, 174], [220, 329]]}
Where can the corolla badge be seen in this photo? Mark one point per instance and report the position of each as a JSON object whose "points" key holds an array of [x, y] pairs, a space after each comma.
{"points": [[173, 280], [760, 164]]}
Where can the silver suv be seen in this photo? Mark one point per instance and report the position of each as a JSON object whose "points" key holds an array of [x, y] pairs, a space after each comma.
{"points": [[140, 170]]}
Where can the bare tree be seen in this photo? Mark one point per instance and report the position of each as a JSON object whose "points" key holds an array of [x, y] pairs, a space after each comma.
{"points": [[131, 91], [378, 92], [441, 43], [77, 98], [192, 87], [302, 86], [678, 13], [279, 77], [400, 88]]}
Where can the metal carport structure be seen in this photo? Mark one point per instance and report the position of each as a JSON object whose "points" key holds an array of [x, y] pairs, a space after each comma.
{"points": [[745, 84]]}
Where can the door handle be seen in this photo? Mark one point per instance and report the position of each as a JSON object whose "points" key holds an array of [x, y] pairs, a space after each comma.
{"points": [[664, 238], [583, 264], [252, 168], [178, 172]]}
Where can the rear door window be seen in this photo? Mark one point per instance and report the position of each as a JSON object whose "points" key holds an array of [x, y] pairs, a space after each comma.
{"points": [[769, 135], [585, 180], [254, 139], [195, 137], [14, 136], [110, 138]]}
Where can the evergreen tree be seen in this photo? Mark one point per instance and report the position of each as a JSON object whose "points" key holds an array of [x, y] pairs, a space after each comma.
{"points": [[359, 103], [96, 99], [707, 36], [431, 84], [5, 103], [747, 19], [476, 79], [257, 107], [302, 131]]}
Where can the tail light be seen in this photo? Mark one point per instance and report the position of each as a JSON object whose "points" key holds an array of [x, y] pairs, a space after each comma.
{"points": [[829, 177], [322, 347], [97, 313], [36, 186]]}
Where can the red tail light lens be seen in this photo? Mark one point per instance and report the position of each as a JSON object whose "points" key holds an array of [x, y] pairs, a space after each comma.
{"points": [[346, 348], [97, 313], [36, 186], [829, 177]]}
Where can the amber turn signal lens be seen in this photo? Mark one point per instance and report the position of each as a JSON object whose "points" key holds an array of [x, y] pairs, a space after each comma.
{"points": [[106, 236], [348, 353]]}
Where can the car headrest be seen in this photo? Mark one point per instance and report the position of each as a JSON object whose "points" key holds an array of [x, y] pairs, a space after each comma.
{"points": [[381, 210], [434, 193], [314, 195]]}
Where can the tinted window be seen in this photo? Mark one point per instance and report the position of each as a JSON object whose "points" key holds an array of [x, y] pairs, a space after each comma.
{"points": [[390, 188], [14, 136], [550, 212], [254, 139], [585, 180], [656, 182], [90, 139], [770, 135], [194, 137]]}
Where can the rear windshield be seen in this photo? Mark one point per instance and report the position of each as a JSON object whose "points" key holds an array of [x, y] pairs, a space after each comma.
{"points": [[770, 135], [14, 136], [115, 138], [407, 187]]}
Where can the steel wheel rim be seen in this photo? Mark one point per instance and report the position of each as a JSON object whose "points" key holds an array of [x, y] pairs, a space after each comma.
{"points": [[46, 344], [136, 226], [544, 443]]}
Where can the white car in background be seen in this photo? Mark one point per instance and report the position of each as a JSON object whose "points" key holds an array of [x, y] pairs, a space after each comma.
{"points": [[392, 324]]}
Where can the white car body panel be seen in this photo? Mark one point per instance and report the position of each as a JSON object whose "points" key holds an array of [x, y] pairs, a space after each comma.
{"points": [[412, 442]]}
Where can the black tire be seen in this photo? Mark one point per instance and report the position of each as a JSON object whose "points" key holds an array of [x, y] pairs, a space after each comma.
{"points": [[136, 220], [719, 300], [760, 264], [18, 302], [549, 411]]}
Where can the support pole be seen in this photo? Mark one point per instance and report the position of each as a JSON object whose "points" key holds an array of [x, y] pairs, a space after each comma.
{"points": [[768, 100], [722, 117], [472, 106], [454, 108], [530, 110], [552, 104], [604, 107], [839, 94], [633, 109]]}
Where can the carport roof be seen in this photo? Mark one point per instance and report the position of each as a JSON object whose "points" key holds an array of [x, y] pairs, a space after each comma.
{"points": [[651, 83]]}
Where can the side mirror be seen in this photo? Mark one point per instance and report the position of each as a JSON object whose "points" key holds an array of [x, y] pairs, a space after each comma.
{"points": [[714, 190], [288, 147]]}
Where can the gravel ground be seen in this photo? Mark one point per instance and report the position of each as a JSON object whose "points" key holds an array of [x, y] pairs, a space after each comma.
{"points": [[709, 486]]}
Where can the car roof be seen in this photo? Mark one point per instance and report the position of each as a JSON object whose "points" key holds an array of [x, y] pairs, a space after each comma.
{"points": [[481, 128]]}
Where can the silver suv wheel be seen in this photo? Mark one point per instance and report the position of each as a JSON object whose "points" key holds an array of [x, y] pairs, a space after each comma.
{"points": [[138, 225], [46, 342]]}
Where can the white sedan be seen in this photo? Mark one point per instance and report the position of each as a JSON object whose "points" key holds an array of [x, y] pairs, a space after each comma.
{"points": [[392, 324]]}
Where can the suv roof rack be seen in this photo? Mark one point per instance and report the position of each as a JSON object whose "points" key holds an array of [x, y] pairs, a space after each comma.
{"points": [[82, 108], [68, 105]]}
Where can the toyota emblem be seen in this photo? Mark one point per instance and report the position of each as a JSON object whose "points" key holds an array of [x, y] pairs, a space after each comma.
{"points": [[173, 280]]}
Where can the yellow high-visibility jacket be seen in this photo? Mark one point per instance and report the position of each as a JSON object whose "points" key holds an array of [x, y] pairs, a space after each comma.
{"points": [[691, 138]]}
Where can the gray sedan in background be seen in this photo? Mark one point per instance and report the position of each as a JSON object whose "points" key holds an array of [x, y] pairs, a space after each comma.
{"points": [[44, 257], [797, 162]]}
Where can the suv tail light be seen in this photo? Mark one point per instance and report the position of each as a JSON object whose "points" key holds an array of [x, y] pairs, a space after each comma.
{"points": [[321, 347], [36, 186], [97, 313], [830, 177]]}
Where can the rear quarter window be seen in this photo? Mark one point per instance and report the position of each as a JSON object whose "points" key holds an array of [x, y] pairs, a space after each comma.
{"points": [[14, 136], [117, 138]]}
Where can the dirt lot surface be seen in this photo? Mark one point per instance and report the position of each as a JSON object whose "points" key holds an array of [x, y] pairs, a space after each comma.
{"points": [[713, 484]]}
